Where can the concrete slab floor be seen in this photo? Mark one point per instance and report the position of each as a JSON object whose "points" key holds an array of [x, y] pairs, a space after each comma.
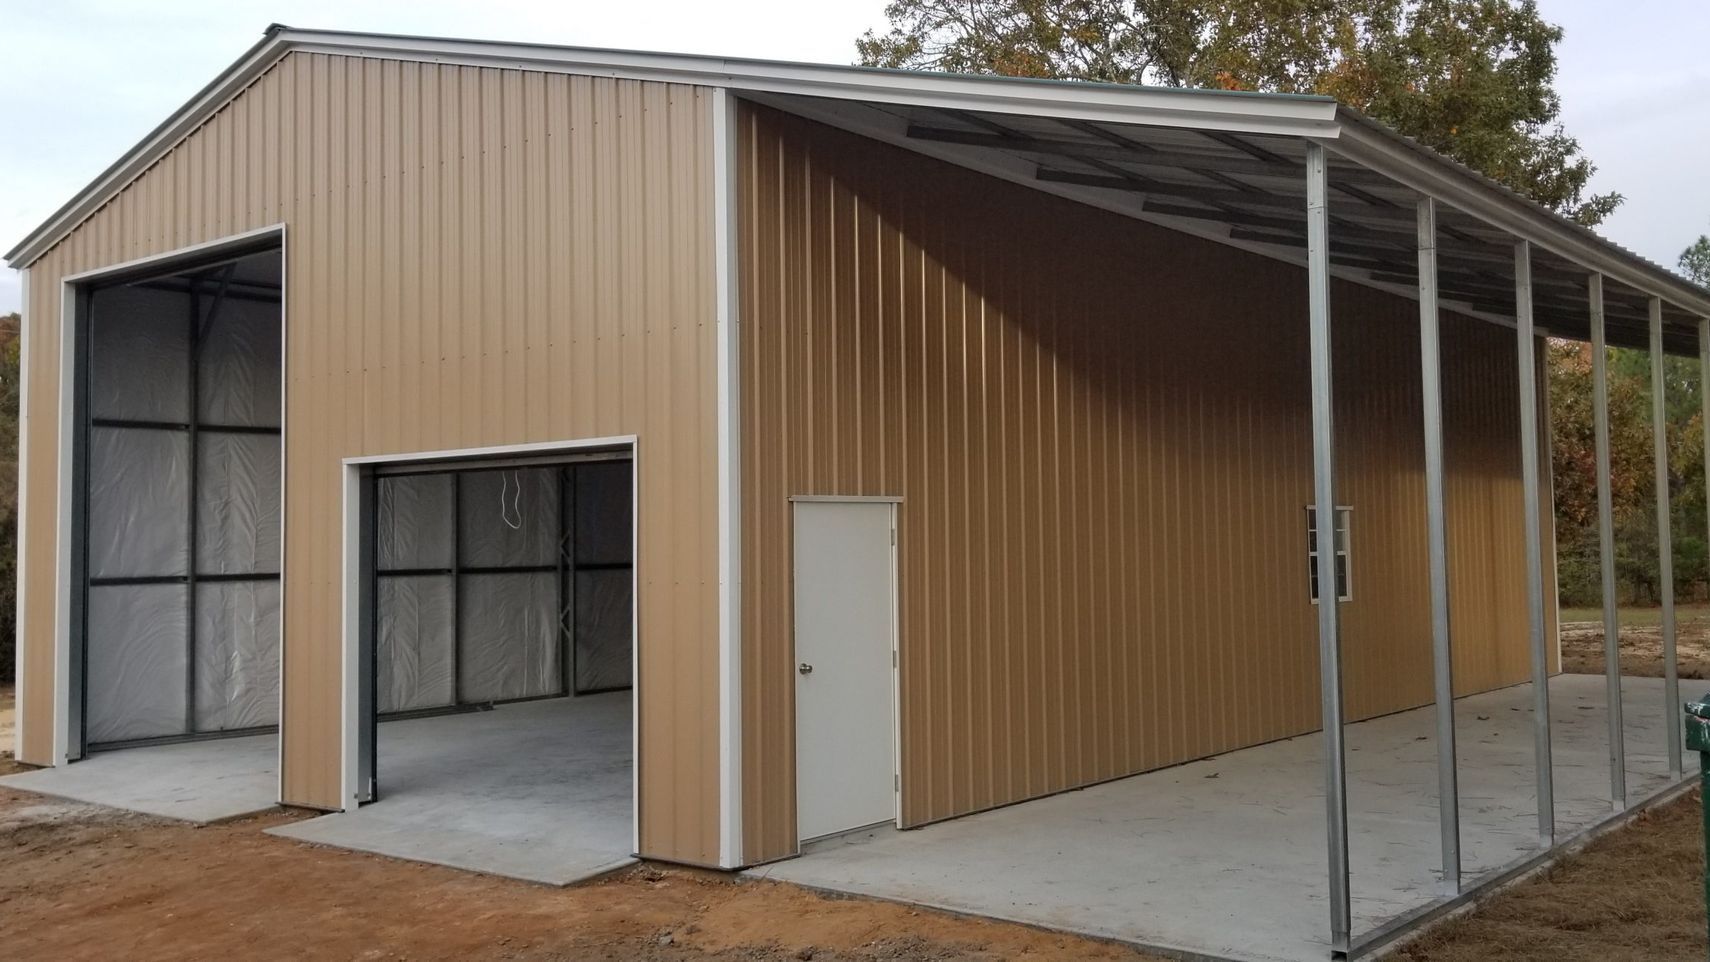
{"points": [[539, 791], [1225, 857], [206, 781]]}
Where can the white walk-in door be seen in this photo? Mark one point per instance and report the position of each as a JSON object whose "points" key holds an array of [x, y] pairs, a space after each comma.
{"points": [[845, 598]]}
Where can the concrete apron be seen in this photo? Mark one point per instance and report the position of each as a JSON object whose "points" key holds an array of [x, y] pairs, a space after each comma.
{"points": [[1224, 858], [200, 782], [539, 791]]}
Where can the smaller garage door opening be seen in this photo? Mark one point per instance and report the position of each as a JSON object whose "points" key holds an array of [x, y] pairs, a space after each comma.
{"points": [[499, 652]]}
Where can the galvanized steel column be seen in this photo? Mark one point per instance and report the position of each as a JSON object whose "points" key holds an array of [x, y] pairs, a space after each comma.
{"points": [[1704, 398], [1606, 549], [1437, 539], [1526, 350], [1665, 542], [1324, 516]]}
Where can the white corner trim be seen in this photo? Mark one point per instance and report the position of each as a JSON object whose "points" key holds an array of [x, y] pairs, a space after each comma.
{"points": [[284, 573], [350, 642], [62, 680], [726, 242], [634, 649]]}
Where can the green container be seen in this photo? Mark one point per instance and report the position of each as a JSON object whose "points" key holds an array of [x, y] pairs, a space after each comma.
{"points": [[1698, 740], [1698, 724]]}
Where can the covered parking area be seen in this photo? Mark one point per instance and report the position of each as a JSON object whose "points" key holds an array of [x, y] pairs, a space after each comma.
{"points": [[1223, 858], [1339, 843]]}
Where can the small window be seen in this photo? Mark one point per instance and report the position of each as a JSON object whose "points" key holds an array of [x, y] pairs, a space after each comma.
{"points": [[1344, 590]]}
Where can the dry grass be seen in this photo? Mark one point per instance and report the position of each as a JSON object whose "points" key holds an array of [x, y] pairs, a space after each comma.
{"points": [[1634, 895], [1641, 642]]}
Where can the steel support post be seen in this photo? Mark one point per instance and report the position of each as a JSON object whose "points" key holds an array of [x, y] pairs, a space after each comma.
{"points": [[1665, 540], [1526, 351], [1606, 549], [1437, 541], [1324, 515]]}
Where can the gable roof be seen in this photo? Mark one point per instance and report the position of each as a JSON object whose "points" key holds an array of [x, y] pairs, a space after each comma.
{"points": [[1100, 108]]}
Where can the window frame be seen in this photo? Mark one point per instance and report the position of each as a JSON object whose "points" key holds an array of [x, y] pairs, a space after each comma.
{"points": [[1344, 541]]}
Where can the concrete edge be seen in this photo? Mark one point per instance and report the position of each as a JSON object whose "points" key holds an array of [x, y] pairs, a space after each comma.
{"points": [[197, 822], [1165, 950], [604, 869], [228, 819]]}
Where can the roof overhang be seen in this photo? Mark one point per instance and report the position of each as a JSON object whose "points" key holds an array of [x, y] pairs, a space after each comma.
{"points": [[1219, 164]]}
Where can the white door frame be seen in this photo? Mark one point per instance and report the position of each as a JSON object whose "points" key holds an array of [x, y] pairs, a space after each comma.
{"points": [[69, 285], [895, 501], [350, 709]]}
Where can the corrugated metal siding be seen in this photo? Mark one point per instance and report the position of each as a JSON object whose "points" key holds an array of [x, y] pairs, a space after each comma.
{"points": [[1100, 430], [475, 257]]}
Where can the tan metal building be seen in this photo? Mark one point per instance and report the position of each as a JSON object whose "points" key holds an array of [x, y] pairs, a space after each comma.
{"points": [[1064, 348]]}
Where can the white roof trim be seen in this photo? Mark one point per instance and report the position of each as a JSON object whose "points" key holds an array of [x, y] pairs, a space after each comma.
{"points": [[1376, 147], [1343, 130], [1120, 103]]}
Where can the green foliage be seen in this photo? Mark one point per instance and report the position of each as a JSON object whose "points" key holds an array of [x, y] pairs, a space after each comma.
{"points": [[1695, 261], [9, 383], [1471, 78], [1632, 474]]}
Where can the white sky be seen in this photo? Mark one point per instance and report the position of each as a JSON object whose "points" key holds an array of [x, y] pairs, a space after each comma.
{"points": [[86, 79]]}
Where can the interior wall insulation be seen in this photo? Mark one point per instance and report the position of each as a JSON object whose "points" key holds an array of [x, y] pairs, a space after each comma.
{"points": [[414, 613], [496, 585]]}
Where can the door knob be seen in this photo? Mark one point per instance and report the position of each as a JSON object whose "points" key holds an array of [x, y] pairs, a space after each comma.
{"points": [[805, 668]]}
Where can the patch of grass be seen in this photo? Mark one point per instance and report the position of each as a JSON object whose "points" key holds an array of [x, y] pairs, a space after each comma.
{"points": [[1640, 617]]}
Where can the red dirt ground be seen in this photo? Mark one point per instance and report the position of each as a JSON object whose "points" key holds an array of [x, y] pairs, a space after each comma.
{"points": [[83, 882]]}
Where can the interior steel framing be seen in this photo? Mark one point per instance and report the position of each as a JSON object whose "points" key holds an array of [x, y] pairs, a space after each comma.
{"points": [[565, 568]]}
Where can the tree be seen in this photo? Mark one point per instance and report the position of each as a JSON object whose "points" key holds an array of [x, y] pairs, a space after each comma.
{"points": [[1471, 78], [1695, 261], [1632, 491], [9, 383]]}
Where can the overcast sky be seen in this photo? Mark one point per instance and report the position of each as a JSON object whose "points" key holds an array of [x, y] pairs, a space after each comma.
{"points": [[86, 79]]}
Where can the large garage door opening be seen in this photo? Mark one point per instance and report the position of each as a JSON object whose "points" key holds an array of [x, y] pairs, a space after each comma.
{"points": [[176, 613], [498, 648]]}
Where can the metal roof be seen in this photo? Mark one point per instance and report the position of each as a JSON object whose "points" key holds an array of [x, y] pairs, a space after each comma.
{"points": [[1219, 164]]}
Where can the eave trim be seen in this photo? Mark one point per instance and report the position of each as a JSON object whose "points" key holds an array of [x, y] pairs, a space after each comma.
{"points": [[1375, 147]]}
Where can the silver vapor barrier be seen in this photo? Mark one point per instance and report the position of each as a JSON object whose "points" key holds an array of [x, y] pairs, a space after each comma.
{"points": [[501, 584], [181, 467]]}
